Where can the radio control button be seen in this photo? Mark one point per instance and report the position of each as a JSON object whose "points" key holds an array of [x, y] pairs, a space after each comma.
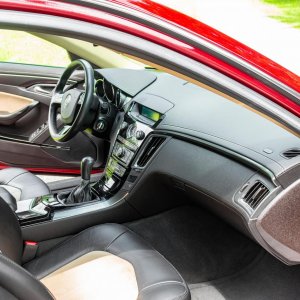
{"points": [[121, 152]]}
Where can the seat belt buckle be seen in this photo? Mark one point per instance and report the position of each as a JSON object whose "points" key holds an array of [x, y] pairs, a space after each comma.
{"points": [[30, 250]]}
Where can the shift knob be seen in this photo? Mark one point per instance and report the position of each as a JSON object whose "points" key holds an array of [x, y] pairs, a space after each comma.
{"points": [[86, 167]]}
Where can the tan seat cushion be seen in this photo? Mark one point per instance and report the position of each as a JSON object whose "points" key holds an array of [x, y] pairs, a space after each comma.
{"points": [[96, 275]]}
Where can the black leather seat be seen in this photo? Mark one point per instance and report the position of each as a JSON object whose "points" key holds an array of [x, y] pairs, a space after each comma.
{"points": [[18, 184], [156, 278]]}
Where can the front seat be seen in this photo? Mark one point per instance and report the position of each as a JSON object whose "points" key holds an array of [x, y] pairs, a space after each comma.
{"points": [[106, 262], [18, 184]]}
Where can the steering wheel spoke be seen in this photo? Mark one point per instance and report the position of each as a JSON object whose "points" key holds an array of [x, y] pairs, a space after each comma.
{"points": [[81, 99], [57, 99], [64, 129], [77, 108]]}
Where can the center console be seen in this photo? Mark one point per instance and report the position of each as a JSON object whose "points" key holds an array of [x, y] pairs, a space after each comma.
{"points": [[118, 176], [129, 139]]}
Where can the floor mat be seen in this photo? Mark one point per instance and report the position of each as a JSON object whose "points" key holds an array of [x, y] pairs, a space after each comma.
{"points": [[216, 260], [266, 278], [201, 246]]}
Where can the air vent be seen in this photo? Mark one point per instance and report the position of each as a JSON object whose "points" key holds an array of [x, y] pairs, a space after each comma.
{"points": [[256, 194], [291, 153], [152, 146]]}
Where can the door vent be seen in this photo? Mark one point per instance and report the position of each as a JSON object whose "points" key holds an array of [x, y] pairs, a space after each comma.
{"points": [[256, 194], [291, 153], [152, 146]]}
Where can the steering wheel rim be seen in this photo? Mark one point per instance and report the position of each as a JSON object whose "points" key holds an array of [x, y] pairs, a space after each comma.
{"points": [[74, 118]]}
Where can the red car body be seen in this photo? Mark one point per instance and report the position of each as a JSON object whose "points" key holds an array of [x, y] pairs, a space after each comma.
{"points": [[84, 11]]}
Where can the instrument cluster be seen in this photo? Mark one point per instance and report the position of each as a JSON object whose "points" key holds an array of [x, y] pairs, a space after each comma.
{"points": [[110, 93]]}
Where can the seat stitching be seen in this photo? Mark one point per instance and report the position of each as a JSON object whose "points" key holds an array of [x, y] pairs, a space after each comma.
{"points": [[162, 283], [11, 186], [129, 230], [61, 244], [16, 177], [106, 248], [181, 296]]}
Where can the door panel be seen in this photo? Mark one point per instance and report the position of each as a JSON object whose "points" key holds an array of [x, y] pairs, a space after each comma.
{"points": [[14, 107], [25, 142]]}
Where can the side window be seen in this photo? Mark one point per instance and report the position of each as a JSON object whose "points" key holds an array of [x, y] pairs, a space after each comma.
{"points": [[25, 48]]}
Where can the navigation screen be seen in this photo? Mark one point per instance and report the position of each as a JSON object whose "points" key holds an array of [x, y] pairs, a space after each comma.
{"points": [[150, 114]]}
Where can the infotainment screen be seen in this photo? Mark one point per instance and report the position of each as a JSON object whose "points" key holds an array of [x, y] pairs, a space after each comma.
{"points": [[150, 114]]}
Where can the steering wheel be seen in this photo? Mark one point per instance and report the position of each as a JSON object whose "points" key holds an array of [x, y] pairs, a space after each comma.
{"points": [[75, 106]]}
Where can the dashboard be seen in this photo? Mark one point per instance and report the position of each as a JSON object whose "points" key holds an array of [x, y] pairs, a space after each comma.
{"points": [[171, 135]]}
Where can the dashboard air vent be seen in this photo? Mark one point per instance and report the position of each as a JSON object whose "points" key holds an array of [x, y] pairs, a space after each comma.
{"points": [[152, 146], [291, 153], [256, 194]]}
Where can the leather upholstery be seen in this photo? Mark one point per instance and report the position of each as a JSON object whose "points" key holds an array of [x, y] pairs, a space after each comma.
{"points": [[11, 243], [118, 280], [8, 198], [20, 283], [156, 277], [25, 184]]}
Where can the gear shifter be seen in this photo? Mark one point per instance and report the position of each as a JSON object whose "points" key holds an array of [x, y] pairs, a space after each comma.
{"points": [[86, 168], [82, 193]]}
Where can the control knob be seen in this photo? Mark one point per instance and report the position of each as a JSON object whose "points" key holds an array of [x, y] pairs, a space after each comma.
{"points": [[124, 125], [101, 125], [140, 135]]}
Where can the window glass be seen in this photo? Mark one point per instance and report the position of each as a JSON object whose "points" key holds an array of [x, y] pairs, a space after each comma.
{"points": [[25, 48]]}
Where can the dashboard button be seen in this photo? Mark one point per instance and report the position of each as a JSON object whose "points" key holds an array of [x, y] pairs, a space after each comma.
{"points": [[120, 152]]}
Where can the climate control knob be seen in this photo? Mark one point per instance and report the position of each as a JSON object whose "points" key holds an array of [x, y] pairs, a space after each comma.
{"points": [[140, 135]]}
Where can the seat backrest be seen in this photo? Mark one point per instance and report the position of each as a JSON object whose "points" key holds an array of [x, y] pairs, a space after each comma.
{"points": [[11, 242], [15, 282]]}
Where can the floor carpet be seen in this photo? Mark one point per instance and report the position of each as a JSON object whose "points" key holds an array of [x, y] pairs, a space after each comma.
{"points": [[216, 260]]}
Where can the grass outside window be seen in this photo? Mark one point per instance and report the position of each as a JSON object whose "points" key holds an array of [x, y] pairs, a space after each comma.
{"points": [[289, 11], [25, 48]]}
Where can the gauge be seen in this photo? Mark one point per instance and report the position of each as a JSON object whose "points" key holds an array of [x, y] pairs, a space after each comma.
{"points": [[109, 90], [100, 88]]}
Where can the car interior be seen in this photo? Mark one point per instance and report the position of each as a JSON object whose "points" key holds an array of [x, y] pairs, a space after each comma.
{"points": [[178, 191]]}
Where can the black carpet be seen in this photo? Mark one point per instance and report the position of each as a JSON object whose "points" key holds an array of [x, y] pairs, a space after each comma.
{"points": [[266, 279], [201, 246], [217, 261]]}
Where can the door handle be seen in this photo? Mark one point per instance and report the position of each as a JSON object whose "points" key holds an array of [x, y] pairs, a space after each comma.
{"points": [[45, 89]]}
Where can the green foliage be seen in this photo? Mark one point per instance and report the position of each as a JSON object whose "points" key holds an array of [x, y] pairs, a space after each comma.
{"points": [[22, 47], [290, 11]]}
